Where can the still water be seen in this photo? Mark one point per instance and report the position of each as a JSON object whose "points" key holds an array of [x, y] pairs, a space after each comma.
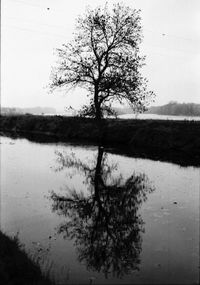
{"points": [[97, 218], [145, 116]]}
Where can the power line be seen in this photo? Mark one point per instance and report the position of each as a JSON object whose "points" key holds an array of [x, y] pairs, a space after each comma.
{"points": [[64, 37], [35, 31], [161, 34], [50, 35], [63, 27], [38, 23]]}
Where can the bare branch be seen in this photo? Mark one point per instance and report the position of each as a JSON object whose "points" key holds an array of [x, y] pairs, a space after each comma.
{"points": [[104, 59]]}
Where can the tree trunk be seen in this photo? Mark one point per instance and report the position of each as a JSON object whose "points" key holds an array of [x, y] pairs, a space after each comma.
{"points": [[96, 103], [98, 114]]}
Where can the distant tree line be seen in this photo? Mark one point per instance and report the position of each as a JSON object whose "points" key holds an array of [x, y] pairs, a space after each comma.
{"points": [[172, 108], [33, 110], [176, 109]]}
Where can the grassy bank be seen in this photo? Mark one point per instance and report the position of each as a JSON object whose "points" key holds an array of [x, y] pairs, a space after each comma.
{"points": [[176, 141], [16, 267]]}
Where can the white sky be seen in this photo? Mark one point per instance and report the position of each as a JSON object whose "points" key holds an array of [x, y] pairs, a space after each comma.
{"points": [[30, 33]]}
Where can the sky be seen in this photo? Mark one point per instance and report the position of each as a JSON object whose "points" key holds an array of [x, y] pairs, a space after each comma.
{"points": [[31, 30]]}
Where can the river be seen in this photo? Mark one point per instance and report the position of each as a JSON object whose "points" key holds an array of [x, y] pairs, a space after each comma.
{"points": [[93, 217], [159, 117]]}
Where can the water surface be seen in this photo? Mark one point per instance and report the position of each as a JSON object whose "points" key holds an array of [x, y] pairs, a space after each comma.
{"points": [[101, 218], [144, 116]]}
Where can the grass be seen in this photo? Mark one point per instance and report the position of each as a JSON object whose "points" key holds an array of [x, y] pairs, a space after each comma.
{"points": [[16, 267], [176, 141]]}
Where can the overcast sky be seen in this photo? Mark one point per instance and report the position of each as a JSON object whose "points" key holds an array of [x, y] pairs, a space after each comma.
{"points": [[30, 32]]}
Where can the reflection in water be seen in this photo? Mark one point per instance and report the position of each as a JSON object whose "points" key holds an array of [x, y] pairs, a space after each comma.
{"points": [[104, 223]]}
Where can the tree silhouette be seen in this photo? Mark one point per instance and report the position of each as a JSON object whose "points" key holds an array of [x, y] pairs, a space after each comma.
{"points": [[104, 58], [105, 222]]}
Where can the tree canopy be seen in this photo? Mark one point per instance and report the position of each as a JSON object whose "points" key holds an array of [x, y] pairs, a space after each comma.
{"points": [[104, 58]]}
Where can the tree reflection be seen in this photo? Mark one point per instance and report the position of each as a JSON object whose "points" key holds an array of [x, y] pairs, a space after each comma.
{"points": [[105, 222]]}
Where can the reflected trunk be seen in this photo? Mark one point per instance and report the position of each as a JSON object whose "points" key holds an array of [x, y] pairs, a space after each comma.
{"points": [[105, 223]]}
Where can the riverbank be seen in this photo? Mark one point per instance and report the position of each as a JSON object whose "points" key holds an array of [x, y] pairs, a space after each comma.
{"points": [[175, 141], [16, 267]]}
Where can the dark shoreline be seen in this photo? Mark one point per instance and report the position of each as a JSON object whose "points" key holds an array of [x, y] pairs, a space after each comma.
{"points": [[16, 267], [172, 141]]}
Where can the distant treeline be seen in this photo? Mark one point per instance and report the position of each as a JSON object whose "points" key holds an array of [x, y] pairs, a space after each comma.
{"points": [[176, 109], [172, 108], [33, 110]]}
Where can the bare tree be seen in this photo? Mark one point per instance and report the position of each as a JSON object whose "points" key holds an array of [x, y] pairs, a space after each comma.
{"points": [[104, 58]]}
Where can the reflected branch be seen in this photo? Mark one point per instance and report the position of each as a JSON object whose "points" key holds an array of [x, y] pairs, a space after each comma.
{"points": [[105, 222]]}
